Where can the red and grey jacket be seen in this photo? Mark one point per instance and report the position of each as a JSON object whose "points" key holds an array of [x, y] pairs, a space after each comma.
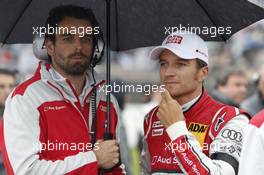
{"points": [[46, 127], [252, 156], [207, 142]]}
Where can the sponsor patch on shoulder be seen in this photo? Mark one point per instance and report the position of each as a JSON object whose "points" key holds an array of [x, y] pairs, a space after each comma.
{"points": [[157, 132], [157, 124], [220, 121]]}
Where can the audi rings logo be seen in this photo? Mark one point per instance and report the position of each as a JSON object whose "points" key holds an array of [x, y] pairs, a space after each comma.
{"points": [[232, 135]]}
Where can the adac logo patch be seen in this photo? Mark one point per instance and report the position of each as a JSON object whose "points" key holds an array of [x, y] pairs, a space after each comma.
{"points": [[198, 130], [197, 127]]}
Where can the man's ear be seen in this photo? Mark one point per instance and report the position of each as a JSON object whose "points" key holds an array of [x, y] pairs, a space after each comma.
{"points": [[203, 72], [49, 46]]}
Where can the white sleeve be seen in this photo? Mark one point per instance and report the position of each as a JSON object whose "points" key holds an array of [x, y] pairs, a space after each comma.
{"points": [[227, 145], [22, 145], [221, 160], [252, 157]]}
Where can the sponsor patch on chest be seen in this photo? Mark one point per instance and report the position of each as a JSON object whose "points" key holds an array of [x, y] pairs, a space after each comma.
{"points": [[102, 108], [54, 108], [157, 128], [198, 130]]}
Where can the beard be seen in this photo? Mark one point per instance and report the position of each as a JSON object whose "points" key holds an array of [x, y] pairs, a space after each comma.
{"points": [[72, 67], [78, 69]]}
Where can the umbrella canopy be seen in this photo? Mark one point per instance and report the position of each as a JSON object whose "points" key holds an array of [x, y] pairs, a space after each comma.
{"points": [[136, 23]]}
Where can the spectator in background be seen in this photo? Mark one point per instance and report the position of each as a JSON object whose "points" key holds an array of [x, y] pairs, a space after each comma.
{"points": [[255, 102], [7, 83], [231, 88]]}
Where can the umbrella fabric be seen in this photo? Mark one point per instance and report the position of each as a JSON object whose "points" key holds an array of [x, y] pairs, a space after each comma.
{"points": [[147, 19], [136, 23]]}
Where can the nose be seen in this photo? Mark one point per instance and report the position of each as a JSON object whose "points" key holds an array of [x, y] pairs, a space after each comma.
{"points": [[78, 44], [169, 71]]}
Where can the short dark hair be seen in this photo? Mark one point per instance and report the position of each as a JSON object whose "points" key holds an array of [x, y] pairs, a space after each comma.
{"points": [[200, 63], [57, 14], [8, 72], [222, 80]]}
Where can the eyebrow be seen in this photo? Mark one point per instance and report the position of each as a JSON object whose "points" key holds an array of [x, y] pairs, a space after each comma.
{"points": [[66, 34], [69, 34], [177, 60], [183, 60]]}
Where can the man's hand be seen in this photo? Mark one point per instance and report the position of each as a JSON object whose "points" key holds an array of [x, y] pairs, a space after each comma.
{"points": [[107, 153], [170, 111]]}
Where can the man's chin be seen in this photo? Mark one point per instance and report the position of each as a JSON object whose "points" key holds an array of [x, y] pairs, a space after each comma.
{"points": [[77, 69], [173, 92]]}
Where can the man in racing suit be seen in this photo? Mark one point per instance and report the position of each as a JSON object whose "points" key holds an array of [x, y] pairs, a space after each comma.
{"points": [[48, 127], [189, 132]]}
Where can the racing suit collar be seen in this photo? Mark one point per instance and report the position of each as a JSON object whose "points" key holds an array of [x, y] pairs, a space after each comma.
{"points": [[188, 105]]}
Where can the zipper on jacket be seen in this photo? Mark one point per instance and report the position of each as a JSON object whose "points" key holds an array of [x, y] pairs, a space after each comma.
{"points": [[75, 107]]}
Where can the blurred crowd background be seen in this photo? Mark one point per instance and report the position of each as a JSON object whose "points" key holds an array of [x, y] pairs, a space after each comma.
{"points": [[236, 76]]}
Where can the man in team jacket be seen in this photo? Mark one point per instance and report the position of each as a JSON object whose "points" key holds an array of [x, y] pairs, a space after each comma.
{"points": [[189, 132], [48, 123]]}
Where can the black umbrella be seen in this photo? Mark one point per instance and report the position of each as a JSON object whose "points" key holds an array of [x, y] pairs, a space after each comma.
{"points": [[135, 23]]}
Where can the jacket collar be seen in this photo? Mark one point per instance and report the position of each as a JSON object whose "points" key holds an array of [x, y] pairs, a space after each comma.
{"points": [[51, 76], [188, 105], [198, 101]]}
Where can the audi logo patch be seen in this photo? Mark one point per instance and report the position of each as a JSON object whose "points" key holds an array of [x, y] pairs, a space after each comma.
{"points": [[232, 135]]}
